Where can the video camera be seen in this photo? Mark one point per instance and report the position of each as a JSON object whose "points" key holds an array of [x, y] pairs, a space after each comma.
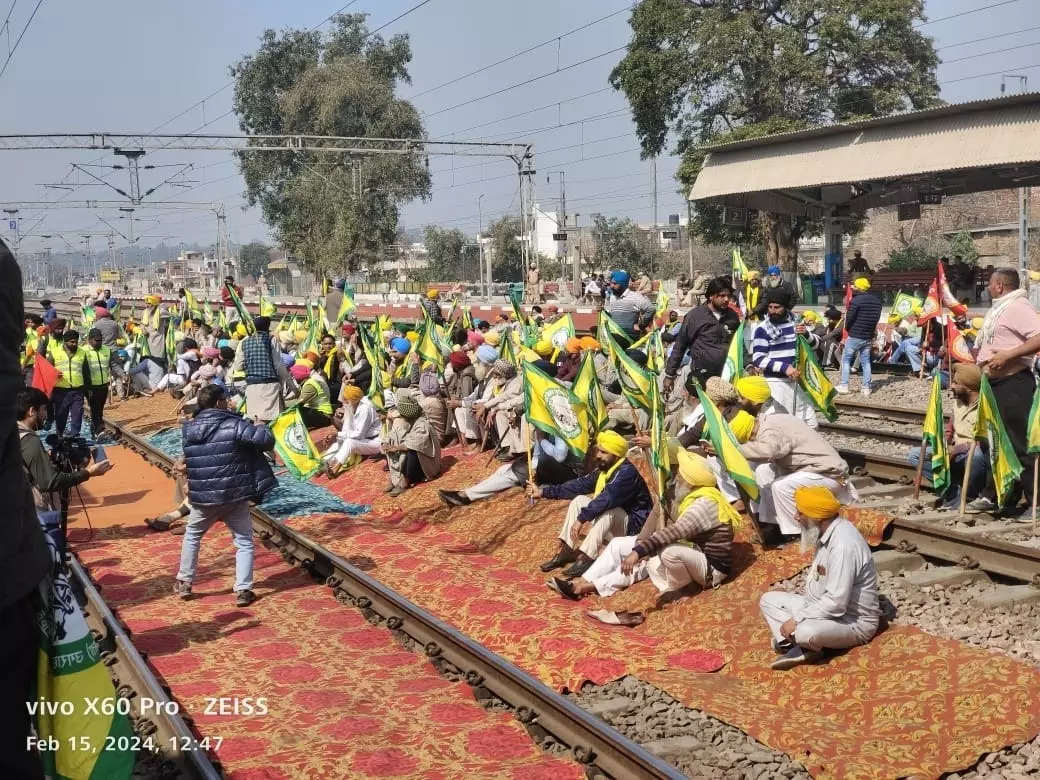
{"points": [[69, 453]]}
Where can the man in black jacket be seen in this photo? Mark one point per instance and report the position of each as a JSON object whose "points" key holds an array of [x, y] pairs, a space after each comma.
{"points": [[223, 458], [861, 321], [706, 333], [24, 556]]}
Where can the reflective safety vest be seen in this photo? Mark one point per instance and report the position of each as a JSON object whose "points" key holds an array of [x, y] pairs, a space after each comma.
{"points": [[99, 363], [321, 402], [70, 366]]}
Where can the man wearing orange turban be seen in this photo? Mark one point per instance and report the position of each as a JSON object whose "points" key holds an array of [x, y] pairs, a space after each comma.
{"points": [[839, 607]]}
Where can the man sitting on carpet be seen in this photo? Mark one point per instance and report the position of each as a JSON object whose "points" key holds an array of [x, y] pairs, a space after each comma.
{"points": [[696, 548], [840, 606], [358, 435], [553, 465], [412, 450], [618, 505], [789, 455]]}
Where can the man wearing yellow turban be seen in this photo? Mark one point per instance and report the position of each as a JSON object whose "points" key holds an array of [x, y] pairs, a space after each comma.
{"points": [[754, 391], [861, 321], [358, 434], [696, 548], [790, 455], [431, 306], [839, 607], [614, 498]]}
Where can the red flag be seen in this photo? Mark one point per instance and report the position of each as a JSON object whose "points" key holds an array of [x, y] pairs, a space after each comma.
{"points": [[848, 302], [956, 344], [45, 375], [949, 300], [932, 305]]}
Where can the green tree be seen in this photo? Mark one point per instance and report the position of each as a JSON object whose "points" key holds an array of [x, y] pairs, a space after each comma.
{"points": [[332, 210], [963, 246], [253, 258], [452, 256], [620, 244], [507, 262], [711, 71]]}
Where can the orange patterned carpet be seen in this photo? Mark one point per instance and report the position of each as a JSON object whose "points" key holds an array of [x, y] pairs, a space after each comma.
{"points": [[344, 699], [907, 704]]}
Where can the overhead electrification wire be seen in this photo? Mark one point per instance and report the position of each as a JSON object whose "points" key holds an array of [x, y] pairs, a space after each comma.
{"points": [[528, 81], [965, 13], [10, 54], [988, 38], [511, 57], [988, 53]]}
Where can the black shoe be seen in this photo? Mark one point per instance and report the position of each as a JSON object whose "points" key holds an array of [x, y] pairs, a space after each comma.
{"points": [[580, 566], [454, 497], [564, 588], [562, 558], [244, 598]]}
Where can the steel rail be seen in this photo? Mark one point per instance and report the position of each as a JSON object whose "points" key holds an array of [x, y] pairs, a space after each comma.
{"points": [[595, 745], [135, 681], [881, 435], [896, 414], [992, 555]]}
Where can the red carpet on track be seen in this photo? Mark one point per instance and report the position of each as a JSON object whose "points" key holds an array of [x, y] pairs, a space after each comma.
{"points": [[906, 704], [344, 699]]}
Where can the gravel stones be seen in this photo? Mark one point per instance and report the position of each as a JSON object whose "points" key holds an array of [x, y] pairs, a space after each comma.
{"points": [[695, 743]]}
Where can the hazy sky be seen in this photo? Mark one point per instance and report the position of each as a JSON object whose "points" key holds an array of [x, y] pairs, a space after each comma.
{"points": [[125, 66]]}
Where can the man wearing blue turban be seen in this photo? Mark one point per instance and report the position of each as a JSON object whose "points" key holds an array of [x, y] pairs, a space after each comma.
{"points": [[631, 310]]}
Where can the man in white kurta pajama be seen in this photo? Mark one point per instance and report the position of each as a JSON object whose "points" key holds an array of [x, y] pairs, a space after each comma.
{"points": [[839, 607]]}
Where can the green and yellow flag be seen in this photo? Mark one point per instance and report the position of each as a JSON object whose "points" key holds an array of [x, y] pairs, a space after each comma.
{"points": [[429, 345], [92, 742], [1033, 432], [734, 368], [345, 308], [814, 382], [635, 380], [267, 309], [243, 313], [192, 310], [587, 388], [207, 312], [727, 448], [558, 333], [606, 329], [934, 436], [508, 350], [1004, 463], [662, 304], [171, 347], [659, 455], [738, 268], [293, 444], [553, 409], [904, 304], [655, 357]]}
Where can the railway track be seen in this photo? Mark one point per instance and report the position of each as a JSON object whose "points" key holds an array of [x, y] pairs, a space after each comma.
{"points": [[596, 746], [876, 412], [938, 541], [177, 749]]}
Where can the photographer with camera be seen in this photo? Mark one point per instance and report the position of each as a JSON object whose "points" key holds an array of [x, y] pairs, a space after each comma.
{"points": [[49, 481]]}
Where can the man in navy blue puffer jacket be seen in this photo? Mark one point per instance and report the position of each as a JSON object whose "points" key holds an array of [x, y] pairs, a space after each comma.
{"points": [[223, 457]]}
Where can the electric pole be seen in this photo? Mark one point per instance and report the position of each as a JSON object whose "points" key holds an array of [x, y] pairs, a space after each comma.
{"points": [[657, 235], [1023, 198]]}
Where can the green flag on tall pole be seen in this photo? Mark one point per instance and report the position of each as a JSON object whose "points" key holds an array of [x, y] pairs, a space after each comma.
{"points": [[933, 436], [1004, 463]]}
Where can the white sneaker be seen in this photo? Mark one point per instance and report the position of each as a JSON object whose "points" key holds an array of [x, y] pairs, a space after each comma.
{"points": [[842, 389], [865, 391]]}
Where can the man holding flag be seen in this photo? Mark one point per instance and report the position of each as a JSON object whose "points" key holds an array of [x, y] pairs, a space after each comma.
{"points": [[265, 373], [614, 498], [1007, 345], [774, 352]]}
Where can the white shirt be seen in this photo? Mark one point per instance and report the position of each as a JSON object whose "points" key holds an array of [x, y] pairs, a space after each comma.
{"points": [[842, 581], [364, 424]]}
